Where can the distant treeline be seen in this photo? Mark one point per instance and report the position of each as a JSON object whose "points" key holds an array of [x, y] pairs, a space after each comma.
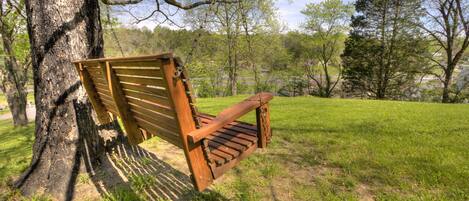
{"points": [[404, 50]]}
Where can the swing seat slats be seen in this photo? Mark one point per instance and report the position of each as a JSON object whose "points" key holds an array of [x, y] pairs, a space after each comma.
{"points": [[230, 141], [152, 97]]}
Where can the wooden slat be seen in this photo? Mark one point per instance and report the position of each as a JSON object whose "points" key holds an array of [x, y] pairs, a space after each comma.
{"points": [[218, 146], [95, 71], [106, 93], [101, 87], [234, 128], [170, 137], [148, 97], [237, 134], [227, 142], [158, 130], [145, 88], [225, 157], [220, 170], [134, 58], [130, 125], [151, 63], [153, 72], [98, 79], [234, 123], [93, 96], [151, 106], [141, 80], [169, 125], [242, 125], [233, 138], [218, 159], [156, 118], [253, 128], [110, 107], [241, 130], [89, 63]]}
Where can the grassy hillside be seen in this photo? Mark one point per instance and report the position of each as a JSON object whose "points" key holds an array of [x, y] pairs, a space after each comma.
{"points": [[15, 149], [354, 149], [334, 149]]}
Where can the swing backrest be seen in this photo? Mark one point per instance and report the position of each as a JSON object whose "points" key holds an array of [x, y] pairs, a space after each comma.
{"points": [[144, 92]]}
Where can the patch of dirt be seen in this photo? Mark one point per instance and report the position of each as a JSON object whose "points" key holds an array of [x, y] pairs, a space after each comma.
{"points": [[169, 153], [300, 174], [30, 112], [364, 193], [159, 172]]}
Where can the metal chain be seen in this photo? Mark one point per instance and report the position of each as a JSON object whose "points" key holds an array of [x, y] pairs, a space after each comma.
{"points": [[199, 30], [181, 72]]}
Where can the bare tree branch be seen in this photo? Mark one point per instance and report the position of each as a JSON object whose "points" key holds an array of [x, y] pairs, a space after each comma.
{"points": [[197, 4], [170, 2], [121, 2]]}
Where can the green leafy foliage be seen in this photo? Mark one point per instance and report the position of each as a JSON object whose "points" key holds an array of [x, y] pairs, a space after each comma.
{"points": [[385, 50], [327, 22]]}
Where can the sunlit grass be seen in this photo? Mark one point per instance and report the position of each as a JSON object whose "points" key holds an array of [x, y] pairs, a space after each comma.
{"points": [[327, 149], [394, 150], [15, 149]]}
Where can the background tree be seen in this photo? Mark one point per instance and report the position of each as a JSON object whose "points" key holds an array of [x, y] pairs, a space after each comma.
{"points": [[445, 22], [385, 49], [62, 31], [241, 27], [327, 23], [16, 58]]}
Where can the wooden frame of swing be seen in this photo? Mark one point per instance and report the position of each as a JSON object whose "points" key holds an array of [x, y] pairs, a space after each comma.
{"points": [[189, 138]]}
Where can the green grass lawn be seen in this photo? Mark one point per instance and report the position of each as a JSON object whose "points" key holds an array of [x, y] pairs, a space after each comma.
{"points": [[333, 149], [15, 149], [2, 99]]}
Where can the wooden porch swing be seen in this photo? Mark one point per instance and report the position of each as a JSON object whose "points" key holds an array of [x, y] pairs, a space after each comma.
{"points": [[153, 97]]}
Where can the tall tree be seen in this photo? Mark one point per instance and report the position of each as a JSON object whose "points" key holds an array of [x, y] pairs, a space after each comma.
{"points": [[238, 23], [327, 22], [385, 49], [258, 20], [446, 23], [16, 60], [67, 135]]}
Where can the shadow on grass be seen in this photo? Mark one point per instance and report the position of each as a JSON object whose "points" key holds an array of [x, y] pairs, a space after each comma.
{"points": [[133, 173]]}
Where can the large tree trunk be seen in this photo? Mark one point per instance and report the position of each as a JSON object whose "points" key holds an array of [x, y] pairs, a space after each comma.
{"points": [[16, 95], [13, 82], [17, 102], [446, 87], [67, 138]]}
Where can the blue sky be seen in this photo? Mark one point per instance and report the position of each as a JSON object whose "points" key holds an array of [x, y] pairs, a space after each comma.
{"points": [[289, 13]]}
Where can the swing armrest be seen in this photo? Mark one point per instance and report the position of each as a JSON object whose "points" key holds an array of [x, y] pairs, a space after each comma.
{"points": [[229, 115]]}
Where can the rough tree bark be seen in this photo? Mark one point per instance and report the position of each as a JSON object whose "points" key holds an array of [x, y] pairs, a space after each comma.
{"points": [[67, 138]]}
